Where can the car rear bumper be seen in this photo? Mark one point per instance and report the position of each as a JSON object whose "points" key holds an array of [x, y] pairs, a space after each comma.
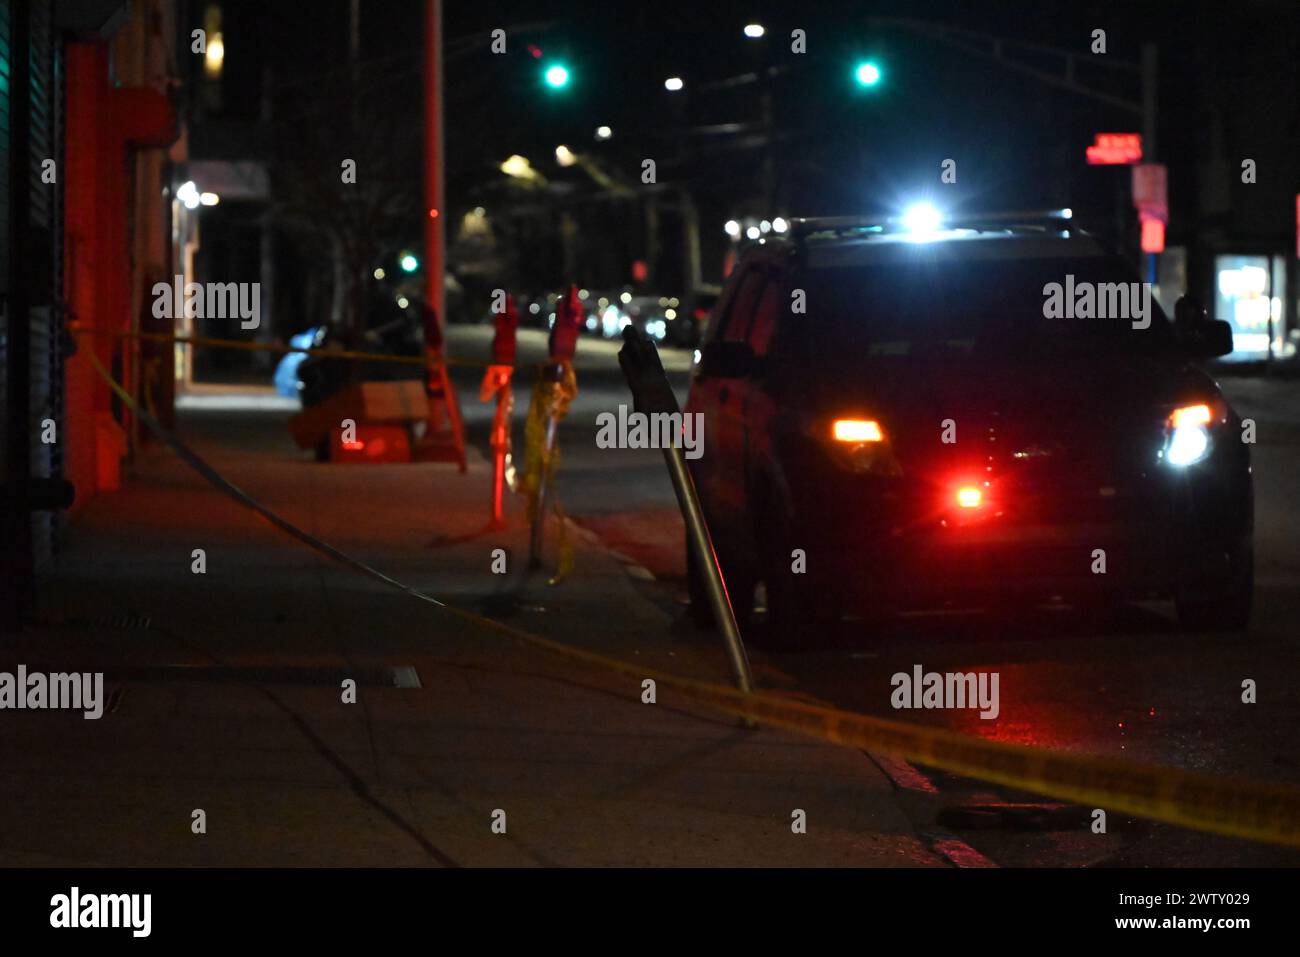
{"points": [[884, 553], [960, 564]]}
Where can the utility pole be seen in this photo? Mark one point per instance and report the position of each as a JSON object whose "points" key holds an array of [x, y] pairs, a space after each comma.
{"points": [[354, 57], [434, 214], [1150, 78]]}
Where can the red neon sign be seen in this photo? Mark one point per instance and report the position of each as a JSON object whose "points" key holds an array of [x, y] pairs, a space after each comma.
{"points": [[1153, 236], [1111, 149]]}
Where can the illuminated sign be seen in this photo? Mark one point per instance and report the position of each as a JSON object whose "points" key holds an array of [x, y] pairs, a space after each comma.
{"points": [[1112, 149], [1153, 235], [1150, 191], [1243, 298]]}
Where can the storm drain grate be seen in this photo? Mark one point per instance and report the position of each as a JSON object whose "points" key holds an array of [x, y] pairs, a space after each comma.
{"points": [[127, 622]]}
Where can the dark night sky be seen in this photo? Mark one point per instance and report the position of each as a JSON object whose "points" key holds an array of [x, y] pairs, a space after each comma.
{"points": [[1017, 143]]}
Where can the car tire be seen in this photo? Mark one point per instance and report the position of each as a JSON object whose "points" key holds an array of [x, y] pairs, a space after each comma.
{"points": [[1206, 609], [740, 589]]}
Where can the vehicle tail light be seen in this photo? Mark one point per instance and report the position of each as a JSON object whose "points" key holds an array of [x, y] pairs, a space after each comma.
{"points": [[857, 431], [968, 496], [858, 444]]}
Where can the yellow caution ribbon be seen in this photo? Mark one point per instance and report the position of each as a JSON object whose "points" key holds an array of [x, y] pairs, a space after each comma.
{"points": [[550, 400]]}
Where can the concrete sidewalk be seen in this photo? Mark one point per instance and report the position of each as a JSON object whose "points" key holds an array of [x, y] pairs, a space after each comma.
{"points": [[229, 700]]}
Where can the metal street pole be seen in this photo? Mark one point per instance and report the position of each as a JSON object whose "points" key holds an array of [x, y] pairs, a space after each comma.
{"points": [[707, 560], [434, 167], [354, 59], [1150, 80], [651, 394]]}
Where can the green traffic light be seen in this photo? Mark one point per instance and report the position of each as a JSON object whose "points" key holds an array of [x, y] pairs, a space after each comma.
{"points": [[557, 76], [867, 74], [409, 263]]}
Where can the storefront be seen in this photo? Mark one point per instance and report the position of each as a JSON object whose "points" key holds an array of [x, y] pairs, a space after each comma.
{"points": [[1250, 293]]}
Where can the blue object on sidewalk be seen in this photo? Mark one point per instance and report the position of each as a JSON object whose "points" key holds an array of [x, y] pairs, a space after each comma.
{"points": [[286, 372]]}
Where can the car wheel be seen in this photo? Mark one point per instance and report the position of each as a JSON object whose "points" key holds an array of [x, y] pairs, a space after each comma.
{"points": [[740, 589], [1226, 608]]}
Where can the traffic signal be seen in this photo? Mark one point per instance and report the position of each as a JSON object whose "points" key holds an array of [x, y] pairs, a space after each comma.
{"points": [[867, 73], [556, 76], [408, 262]]}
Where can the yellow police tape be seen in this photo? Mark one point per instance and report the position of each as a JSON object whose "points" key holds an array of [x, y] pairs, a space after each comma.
{"points": [[241, 345], [1237, 807], [550, 400]]}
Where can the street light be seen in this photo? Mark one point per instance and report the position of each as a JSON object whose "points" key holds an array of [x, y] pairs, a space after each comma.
{"points": [[189, 194], [732, 228], [673, 84], [214, 57], [565, 156], [518, 167], [754, 30], [603, 132]]}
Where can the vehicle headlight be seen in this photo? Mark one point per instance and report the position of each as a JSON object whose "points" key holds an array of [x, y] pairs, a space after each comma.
{"points": [[1187, 435]]}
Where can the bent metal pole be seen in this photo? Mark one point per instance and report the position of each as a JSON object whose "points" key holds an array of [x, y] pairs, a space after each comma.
{"points": [[651, 393]]}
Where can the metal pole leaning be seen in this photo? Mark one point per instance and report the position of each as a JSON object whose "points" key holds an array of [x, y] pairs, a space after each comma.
{"points": [[702, 542], [651, 393]]}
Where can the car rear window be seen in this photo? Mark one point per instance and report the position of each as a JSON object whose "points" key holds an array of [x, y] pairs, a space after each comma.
{"points": [[926, 307]]}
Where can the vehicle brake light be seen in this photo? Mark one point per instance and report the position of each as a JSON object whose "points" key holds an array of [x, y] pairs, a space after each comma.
{"points": [[968, 496], [857, 430]]}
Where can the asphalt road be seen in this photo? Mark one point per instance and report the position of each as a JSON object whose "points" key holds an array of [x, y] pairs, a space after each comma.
{"points": [[1134, 688]]}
